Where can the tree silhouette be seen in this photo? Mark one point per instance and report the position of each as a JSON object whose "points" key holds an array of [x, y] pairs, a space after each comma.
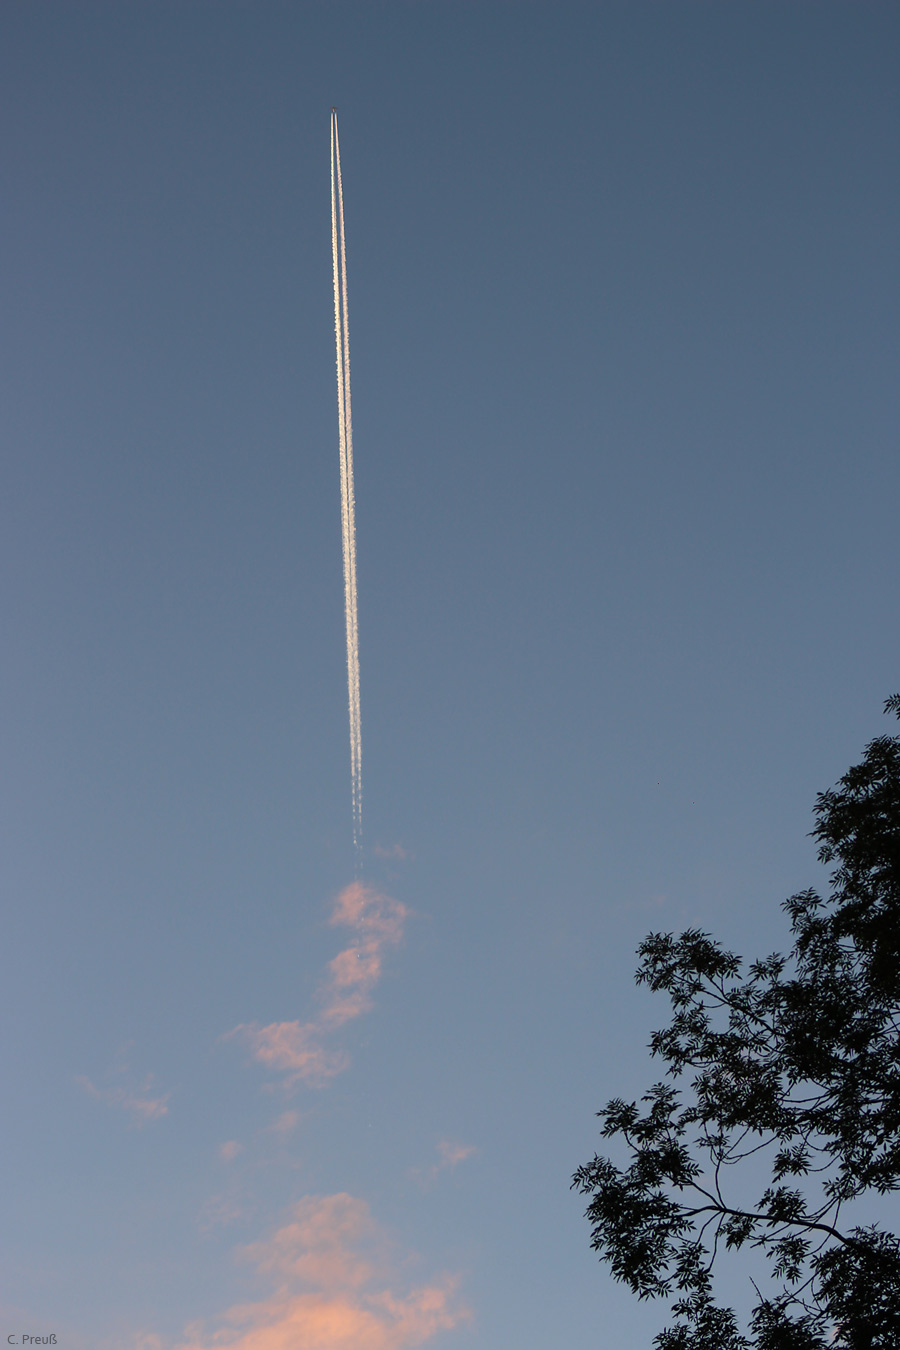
{"points": [[793, 1067]]}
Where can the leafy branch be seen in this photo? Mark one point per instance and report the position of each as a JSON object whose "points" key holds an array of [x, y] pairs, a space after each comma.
{"points": [[796, 1062]]}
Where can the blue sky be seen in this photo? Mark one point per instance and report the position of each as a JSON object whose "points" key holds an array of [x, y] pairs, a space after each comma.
{"points": [[623, 287]]}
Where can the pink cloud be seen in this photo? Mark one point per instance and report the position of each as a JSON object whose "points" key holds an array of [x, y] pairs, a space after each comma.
{"points": [[219, 1211], [452, 1154], [295, 1049], [354, 972], [363, 907], [286, 1122], [138, 1102], [392, 851], [317, 1247], [229, 1150], [331, 1281]]}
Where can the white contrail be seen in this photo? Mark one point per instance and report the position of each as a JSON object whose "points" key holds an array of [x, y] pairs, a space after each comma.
{"points": [[348, 505]]}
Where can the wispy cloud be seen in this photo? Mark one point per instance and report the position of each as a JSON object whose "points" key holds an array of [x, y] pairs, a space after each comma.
{"points": [[450, 1154], [143, 1102], [219, 1211], [294, 1048], [119, 1339], [332, 1287], [392, 851], [354, 972], [285, 1123], [229, 1150]]}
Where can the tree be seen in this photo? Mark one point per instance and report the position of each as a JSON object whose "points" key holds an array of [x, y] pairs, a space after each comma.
{"points": [[792, 1069]]}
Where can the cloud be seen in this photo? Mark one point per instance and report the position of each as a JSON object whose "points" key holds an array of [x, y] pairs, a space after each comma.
{"points": [[229, 1150], [138, 1102], [354, 972], [218, 1212], [392, 851], [363, 907], [294, 1048], [331, 1282], [285, 1123], [450, 1155]]}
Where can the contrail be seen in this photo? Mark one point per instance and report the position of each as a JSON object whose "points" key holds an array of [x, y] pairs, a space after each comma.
{"points": [[348, 505]]}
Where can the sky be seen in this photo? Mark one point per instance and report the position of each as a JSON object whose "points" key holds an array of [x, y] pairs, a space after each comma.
{"points": [[623, 285]]}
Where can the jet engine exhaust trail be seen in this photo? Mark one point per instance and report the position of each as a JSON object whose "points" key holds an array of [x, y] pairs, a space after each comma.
{"points": [[348, 504]]}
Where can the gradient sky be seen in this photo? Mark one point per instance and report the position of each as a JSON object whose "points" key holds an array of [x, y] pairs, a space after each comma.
{"points": [[623, 296]]}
